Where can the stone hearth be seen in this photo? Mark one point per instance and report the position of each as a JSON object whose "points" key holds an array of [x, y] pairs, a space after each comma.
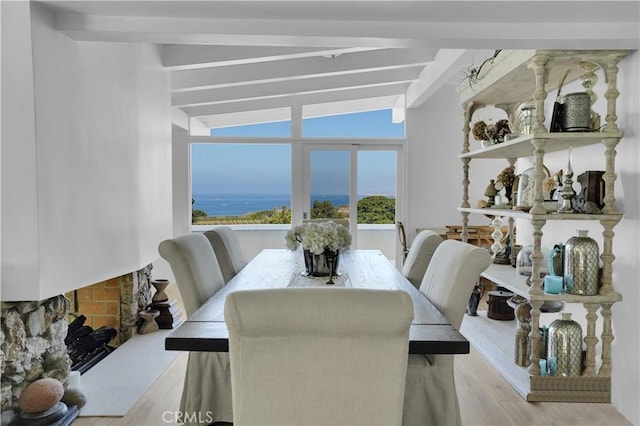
{"points": [[33, 332]]}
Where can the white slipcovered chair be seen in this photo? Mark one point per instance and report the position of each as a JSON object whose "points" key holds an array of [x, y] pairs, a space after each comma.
{"points": [[207, 384], [318, 356], [419, 256], [227, 249], [430, 395], [195, 268]]}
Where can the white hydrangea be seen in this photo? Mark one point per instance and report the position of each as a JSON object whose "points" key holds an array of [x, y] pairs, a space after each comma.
{"points": [[318, 237]]}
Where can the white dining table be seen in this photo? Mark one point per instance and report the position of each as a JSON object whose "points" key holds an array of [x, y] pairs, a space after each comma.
{"points": [[205, 329]]}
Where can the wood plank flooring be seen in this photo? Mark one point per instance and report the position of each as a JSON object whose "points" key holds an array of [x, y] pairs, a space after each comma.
{"points": [[485, 400]]}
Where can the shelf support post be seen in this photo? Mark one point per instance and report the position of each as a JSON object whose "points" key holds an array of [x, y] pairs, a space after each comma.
{"points": [[538, 177], [588, 80], [511, 220], [539, 65], [607, 338], [537, 258], [590, 339], [468, 111], [612, 93], [609, 176], [466, 127], [607, 256], [537, 346]]}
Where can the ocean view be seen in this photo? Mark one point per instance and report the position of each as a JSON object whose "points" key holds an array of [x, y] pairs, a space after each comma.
{"points": [[239, 204]]}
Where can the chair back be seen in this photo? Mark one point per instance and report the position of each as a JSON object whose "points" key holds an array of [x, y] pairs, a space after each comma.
{"points": [[454, 269], [318, 356], [419, 256], [195, 268], [402, 237], [227, 249]]}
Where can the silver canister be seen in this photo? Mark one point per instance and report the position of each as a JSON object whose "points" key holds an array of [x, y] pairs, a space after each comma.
{"points": [[581, 262], [565, 346], [575, 114]]}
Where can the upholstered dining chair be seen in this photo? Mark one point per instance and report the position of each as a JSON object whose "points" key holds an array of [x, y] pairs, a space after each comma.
{"points": [[195, 268], [207, 383], [430, 395], [227, 249], [318, 356], [419, 256], [402, 237]]}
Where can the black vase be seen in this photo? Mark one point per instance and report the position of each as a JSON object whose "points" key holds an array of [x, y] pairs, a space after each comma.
{"points": [[318, 265], [508, 193], [474, 301]]}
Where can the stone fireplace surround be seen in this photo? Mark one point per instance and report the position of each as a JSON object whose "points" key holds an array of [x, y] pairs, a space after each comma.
{"points": [[33, 332]]}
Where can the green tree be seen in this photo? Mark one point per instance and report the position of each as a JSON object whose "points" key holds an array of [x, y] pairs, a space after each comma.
{"points": [[197, 214], [323, 210], [377, 209]]}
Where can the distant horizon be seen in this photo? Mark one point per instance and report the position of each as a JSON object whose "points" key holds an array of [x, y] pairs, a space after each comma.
{"points": [[237, 204]]}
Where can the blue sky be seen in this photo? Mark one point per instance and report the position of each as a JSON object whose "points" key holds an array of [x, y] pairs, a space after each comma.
{"points": [[253, 168]]}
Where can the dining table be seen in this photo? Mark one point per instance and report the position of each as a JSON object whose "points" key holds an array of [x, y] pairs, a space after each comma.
{"points": [[429, 333]]}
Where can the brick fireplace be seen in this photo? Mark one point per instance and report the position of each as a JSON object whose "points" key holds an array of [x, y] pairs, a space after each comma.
{"points": [[114, 303]]}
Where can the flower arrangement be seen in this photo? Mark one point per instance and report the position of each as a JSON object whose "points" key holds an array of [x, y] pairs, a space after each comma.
{"points": [[318, 237], [507, 176], [491, 132]]}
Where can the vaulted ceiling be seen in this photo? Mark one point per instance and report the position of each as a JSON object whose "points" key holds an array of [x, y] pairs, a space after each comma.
{"points": [[237, 62]]}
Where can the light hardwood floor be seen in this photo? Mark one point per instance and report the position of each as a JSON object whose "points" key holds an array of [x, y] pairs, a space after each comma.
{"points": [[485, 400]]}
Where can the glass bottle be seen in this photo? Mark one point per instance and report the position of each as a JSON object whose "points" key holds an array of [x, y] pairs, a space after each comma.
{"points": [[581, 261], [565, 344]]}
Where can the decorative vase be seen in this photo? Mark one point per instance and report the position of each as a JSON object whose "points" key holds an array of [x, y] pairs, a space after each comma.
{"points": [[522, 354], [508, 190], [581, 265], [318, 265], [556, 260], [575, 114], [149, 324], [565, 346], [160, 285], [526, 117], [498, 309], [474, 301]]}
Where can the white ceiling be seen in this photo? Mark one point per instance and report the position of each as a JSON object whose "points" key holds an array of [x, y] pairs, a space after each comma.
{"points": [[236, 62]]}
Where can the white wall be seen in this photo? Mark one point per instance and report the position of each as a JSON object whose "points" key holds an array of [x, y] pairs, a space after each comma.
{"points": [[434, 172], [97, 177], [434, 191], [19, 202], [626, 347]]}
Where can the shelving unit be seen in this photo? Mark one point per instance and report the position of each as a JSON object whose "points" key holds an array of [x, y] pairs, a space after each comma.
{"points": [[515, 77]]}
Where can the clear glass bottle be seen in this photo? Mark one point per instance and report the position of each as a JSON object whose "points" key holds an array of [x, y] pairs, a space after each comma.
{"points": [[565, 344], [581, 261]]}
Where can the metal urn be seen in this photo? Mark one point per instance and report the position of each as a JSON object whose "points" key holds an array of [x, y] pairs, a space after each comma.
{"points": [[581, 261], [565, 346], [575, 114]]}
